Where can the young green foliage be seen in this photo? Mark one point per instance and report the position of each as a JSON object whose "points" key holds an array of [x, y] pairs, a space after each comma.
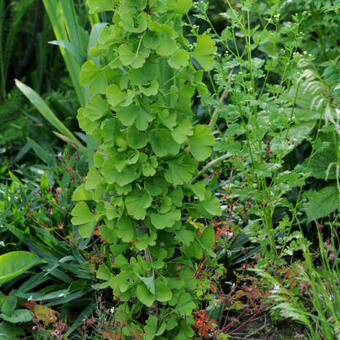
{"points": [[148, 153]]}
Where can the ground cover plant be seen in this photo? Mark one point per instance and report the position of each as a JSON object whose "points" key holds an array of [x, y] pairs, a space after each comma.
{"points": [[201, 197]]}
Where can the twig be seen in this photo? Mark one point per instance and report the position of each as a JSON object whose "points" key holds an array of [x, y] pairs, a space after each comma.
{"points": [[222, 98], [258, 329], [211, 163]]}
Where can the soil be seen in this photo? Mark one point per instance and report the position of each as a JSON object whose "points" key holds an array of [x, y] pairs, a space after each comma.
{"points": [[262, 328]]}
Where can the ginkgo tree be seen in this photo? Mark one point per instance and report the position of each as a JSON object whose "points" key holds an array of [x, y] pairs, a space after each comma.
{"points": [[139, 192]]}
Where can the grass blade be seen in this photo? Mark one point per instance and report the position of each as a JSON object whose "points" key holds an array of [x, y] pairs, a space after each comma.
{"points": [[43, 108], [75, 51]]}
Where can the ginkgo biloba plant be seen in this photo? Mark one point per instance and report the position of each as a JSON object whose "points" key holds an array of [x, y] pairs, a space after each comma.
{"points": [[139, 192]]}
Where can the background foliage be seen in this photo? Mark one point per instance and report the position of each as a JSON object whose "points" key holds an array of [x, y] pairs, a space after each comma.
{"points": [[238, 104]]}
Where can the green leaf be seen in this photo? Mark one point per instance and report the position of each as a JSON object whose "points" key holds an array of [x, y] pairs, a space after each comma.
{"points": [[81, 194], [161, 221], [150, 328], [97, 6], [162, 143], [74, 50], [205, 47], [167, 46], [323, 202], [130, 58], [134, 113], [177, 196], [136, 139], [111, 212], [149, 282], [114, 95], [137, 202], [185, 305], [19, 316], [44, 185], [144, 296], [212, 206], [90, 75], [163, 293], [125, 228], [185, 331], [10, 332], [181, 170], [151, 89], [180, 59], [182, 131], [186, 236], [208, 237], [93, 179], [96, 108], [16, 263], [179, 6], [325, 160], [134, 23], [122, 178], [200, 142], [46, 112], [120, 261], [103, 273], [200, 191], [82, 216]]}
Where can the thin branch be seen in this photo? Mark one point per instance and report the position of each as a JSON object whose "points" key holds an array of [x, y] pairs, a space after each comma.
{"points": [[222, 98]]}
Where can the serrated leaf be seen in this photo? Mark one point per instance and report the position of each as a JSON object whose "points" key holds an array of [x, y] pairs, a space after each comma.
{"points": [[177, 196], [201, 142]]}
